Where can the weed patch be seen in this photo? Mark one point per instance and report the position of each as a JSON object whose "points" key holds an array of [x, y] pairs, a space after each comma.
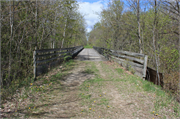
{"points": [[88, 71]]}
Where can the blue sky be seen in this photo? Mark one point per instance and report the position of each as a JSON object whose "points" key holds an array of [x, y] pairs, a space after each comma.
{"points": [[90, 9]]}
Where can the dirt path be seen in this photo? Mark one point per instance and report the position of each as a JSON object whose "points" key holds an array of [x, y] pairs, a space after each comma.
{"points": [[125, 100], [90, 89]]}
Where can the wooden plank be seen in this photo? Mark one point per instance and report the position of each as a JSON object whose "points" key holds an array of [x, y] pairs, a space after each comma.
{"points": [[50, 59], [130, 58], [138, 69], [52, 50], [74, 54], [129, 53], [52, 54], [77, 50], [131, 63], [145, 66]]}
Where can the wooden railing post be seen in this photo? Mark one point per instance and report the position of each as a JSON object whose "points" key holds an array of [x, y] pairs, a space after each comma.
{"points": [[34, 58], [145, 66]]}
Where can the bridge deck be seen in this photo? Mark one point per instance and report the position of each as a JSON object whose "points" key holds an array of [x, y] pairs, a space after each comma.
{"points": [[90, 54]]}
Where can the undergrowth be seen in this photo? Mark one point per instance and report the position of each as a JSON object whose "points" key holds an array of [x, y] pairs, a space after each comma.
{"points": [[7, 93]]}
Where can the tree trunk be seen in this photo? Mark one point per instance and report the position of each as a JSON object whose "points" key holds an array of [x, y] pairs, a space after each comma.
{"points": [[179, 50], [64, 33], [1, 82], [53, 40], [11, 38], [36, 25], [154, 40], [42, 39], [139, 27]]}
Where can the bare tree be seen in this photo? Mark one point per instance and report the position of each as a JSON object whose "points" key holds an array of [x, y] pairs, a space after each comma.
{"points": [[139, 27], [135, 5], [0, 47], [64, 33], [36, 23], [11, 39], [154, 39]]}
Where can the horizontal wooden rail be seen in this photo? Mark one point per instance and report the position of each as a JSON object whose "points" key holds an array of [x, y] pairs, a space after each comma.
{"points": [[127, 57], [44, 59], [135, 61], [52, 50], [129, 53], [46, 55]]}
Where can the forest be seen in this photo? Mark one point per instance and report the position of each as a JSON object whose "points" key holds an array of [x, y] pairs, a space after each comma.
{"points": [[35, 24], [151, 27]]}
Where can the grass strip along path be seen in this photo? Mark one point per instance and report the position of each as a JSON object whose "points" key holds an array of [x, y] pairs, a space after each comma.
{"points": [[86, 89]]}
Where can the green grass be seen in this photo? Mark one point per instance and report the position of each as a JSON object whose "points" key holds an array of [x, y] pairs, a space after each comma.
{"points": [[88, 46], [88, 71], [70, 62], [119, 70], [86, 84], [162, 99]]}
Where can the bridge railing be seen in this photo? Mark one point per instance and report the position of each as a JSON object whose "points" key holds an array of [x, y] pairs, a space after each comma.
{"points": [[135, 62], [44, 59]]}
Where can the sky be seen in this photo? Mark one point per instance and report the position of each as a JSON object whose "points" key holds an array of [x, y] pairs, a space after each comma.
{"points": [[90, 9]]}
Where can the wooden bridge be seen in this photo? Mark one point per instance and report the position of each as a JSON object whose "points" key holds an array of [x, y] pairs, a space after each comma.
{"points": [[46, 58]]}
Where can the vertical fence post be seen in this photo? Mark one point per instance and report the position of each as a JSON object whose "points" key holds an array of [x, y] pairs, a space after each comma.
{"points": [[145, 66], [34, 63]]}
